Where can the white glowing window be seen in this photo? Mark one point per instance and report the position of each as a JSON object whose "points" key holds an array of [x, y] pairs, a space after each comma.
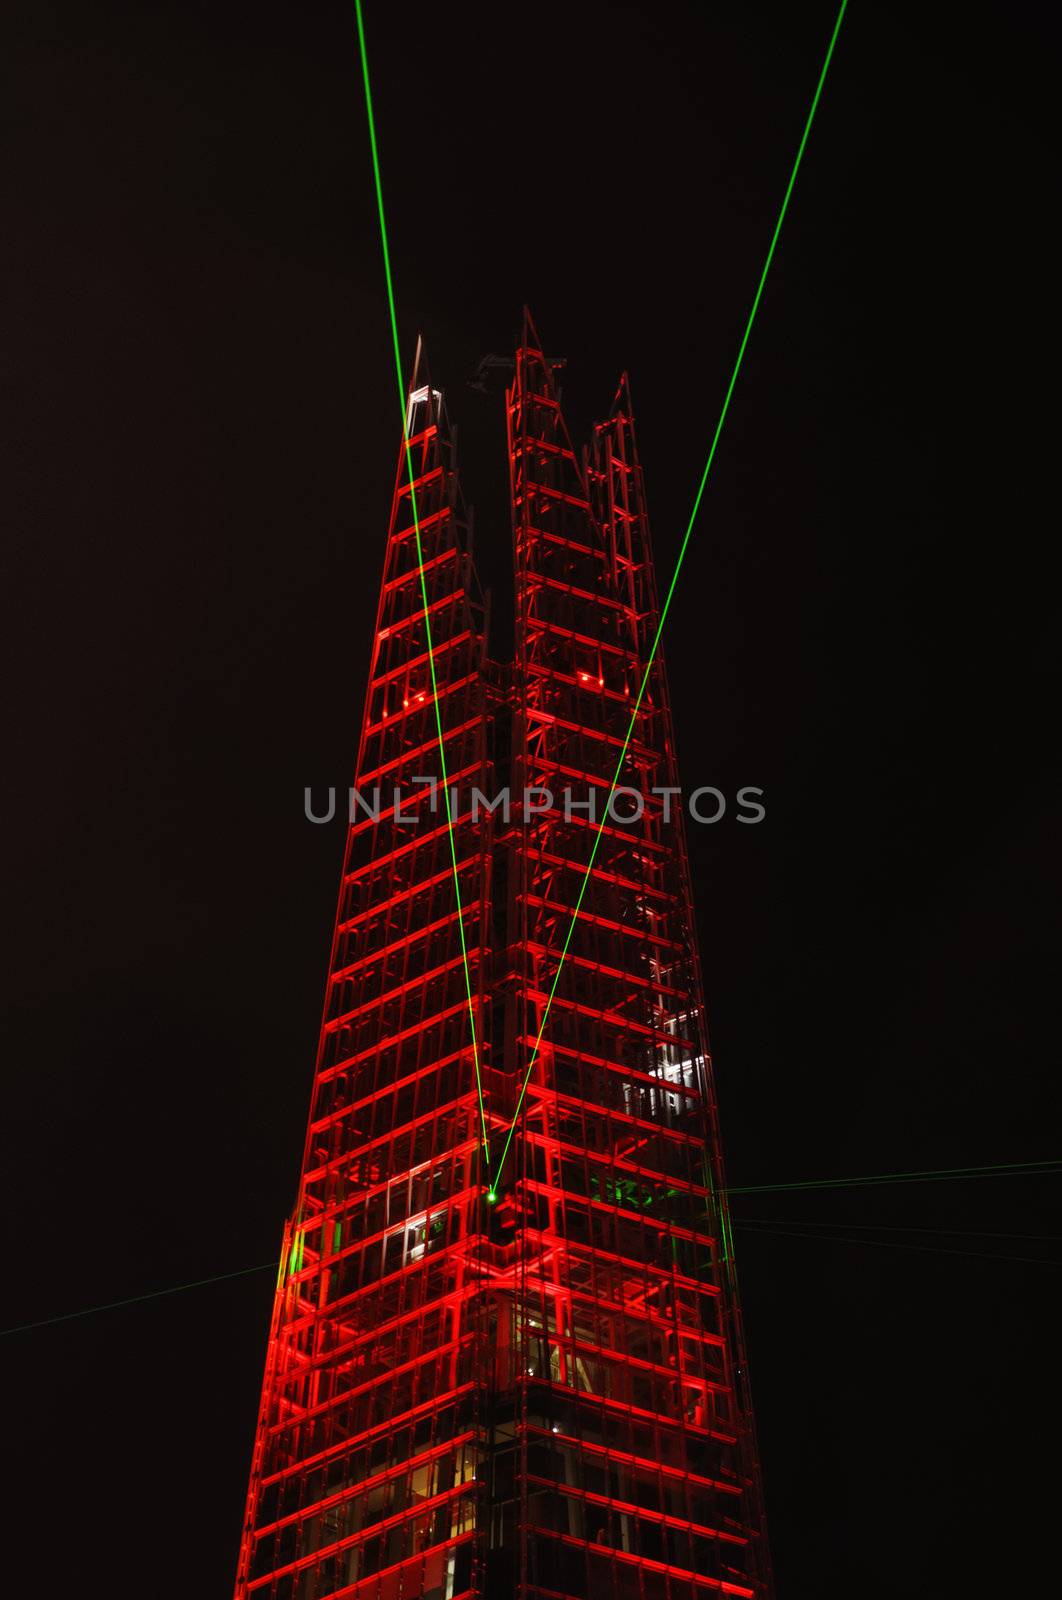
{"points": [[419, 397]]}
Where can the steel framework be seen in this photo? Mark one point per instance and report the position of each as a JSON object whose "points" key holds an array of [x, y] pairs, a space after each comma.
{"points": [[525, 1380]]}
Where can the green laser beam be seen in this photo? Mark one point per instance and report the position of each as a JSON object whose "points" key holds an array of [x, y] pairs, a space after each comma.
{"points": [[892, 1227], [895, 1244], [420, 561], [1009, 1169], [932, 1175], [675, 576], [137, 1299]]}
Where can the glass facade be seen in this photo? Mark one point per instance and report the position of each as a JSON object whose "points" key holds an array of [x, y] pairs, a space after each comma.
{"points": [[514, 1370]]}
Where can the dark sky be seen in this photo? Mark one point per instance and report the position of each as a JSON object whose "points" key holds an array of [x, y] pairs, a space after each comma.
{"points": [[200, 436]]}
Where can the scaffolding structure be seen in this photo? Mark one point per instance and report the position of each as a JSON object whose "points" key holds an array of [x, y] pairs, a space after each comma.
{"points": [[515, 1371]]}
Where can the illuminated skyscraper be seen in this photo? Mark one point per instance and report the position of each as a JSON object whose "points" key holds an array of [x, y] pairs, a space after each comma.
{"points": [[514, 1370]]}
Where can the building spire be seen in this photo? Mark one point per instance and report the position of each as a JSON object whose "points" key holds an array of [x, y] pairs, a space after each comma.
{"points": [[529, 333], [420, 376]]}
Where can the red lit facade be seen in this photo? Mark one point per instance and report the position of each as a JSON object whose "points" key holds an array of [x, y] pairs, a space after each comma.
{"points": [[543, 1397]]}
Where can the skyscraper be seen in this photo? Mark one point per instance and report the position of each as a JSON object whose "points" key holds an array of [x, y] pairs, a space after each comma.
{"points": [[506, 1356]]}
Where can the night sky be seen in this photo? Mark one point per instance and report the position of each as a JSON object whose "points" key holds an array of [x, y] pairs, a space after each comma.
{"points": [[200, 434]]}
